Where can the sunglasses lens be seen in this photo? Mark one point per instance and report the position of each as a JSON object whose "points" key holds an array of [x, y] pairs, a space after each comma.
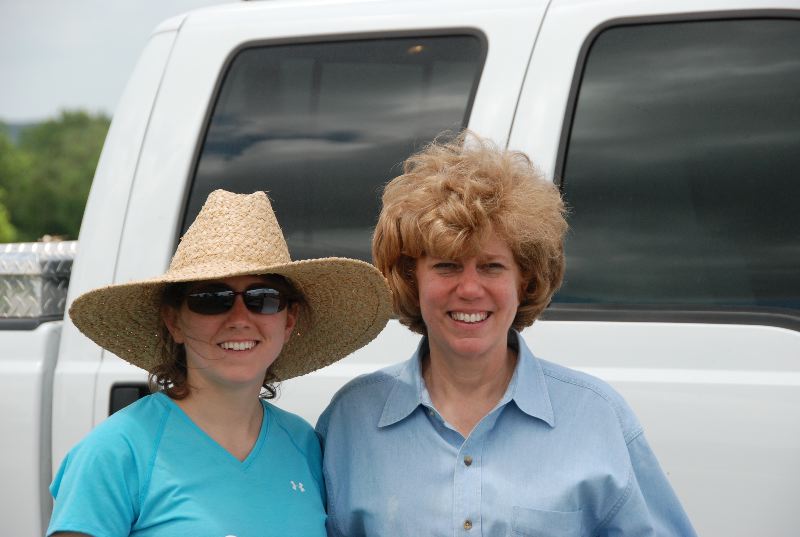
{"points": [[217, 299], [211, 300], [263, 300]]}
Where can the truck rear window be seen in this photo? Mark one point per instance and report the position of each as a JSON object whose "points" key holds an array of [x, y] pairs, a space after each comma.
{"points": [[323, 126], [682, 164]]}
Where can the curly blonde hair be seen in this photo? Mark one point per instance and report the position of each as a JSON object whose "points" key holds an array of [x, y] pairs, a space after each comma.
{"points": [[449, 199]]}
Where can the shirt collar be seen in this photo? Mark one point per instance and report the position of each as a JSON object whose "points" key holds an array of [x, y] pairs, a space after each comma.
{"points": [[406, 394], [527, 388]]}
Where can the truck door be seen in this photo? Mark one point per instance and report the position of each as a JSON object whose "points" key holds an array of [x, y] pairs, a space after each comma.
{"points": [[319, 107], [675, 138]]}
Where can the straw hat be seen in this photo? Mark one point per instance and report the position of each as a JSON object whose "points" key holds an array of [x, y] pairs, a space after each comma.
{"points": [[347, 301]]}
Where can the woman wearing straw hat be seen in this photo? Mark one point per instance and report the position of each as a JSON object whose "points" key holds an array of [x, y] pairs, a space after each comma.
{"points": [[208, 455], [474, 435]]}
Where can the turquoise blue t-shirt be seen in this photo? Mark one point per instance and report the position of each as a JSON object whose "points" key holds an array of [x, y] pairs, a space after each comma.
{"points": [[149, 470]]}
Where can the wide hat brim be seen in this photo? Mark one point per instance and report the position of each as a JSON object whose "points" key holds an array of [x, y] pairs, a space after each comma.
{"points": [[347, 304], [346, 301]]}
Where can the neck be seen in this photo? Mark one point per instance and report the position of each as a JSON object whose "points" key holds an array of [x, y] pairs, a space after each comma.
{"points": [[463, 389], [232, 419]]}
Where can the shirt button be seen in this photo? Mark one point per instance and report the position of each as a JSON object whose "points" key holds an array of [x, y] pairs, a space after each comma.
{"points": [[468, 524], [468, 460]]}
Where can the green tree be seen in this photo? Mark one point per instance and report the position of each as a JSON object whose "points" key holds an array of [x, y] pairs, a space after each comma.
{"points": [[11, 167], [59, 157], [7, 231]]}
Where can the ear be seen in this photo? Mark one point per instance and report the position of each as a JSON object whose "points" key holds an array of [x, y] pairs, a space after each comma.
{"points": [[292, 314], [169, 315]]}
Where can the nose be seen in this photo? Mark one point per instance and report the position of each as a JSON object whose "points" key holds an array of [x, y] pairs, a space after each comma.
{"points": [[238, 315], [469, 283]]}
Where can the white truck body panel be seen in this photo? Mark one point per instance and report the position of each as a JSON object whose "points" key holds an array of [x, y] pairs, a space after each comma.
{"points": [[26, 373], [102, 230]]}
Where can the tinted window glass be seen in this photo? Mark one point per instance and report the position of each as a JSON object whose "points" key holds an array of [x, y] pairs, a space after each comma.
{"points": [[322, 127], [682, 167]]}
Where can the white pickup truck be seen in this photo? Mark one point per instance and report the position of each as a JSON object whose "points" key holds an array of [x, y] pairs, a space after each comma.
{"points": [[672, 127]]}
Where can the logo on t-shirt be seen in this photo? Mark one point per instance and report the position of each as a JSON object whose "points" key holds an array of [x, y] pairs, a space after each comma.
{"points": [[297, 486]]}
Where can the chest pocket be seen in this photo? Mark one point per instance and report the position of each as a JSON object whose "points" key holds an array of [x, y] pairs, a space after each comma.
{"points": [[538, 523]]}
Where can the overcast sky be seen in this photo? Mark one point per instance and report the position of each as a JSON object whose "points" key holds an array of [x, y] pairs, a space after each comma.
{"points": [[57, 54]]}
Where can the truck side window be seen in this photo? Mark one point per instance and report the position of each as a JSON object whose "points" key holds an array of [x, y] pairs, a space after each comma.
{"points": [[681, 168], [323, 126]]}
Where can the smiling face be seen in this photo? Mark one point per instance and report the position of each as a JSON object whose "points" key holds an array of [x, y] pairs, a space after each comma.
{"points": [[468, 304], [234, 348]]}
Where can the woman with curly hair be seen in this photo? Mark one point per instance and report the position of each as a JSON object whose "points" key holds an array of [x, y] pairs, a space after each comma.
{"points": [[474, 435]]}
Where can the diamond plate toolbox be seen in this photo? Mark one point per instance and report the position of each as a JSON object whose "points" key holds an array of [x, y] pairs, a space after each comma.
{"points": [[34, 277]]}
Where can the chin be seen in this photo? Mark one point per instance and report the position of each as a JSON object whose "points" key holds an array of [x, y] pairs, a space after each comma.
{"points": [[470, 349]]}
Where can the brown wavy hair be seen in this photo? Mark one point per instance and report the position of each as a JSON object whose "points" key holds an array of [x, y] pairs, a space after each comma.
{"points": [[451, 196], [170, 375]]}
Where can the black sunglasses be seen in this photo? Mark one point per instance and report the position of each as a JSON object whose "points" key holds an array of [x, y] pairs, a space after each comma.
{"points": [[217, 298]]}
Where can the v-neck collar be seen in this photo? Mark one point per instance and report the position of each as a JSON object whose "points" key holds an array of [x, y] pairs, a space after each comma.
{"points": [[204, 436]]}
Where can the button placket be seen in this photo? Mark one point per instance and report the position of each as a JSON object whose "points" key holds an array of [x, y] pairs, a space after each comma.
{"points": [[467, 475]]}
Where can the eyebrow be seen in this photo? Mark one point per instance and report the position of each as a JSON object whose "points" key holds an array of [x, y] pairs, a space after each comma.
{"points": [[495, 256]]}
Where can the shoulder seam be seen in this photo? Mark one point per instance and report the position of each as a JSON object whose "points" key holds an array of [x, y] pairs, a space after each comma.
{"points": [[363, 380], [636, 433], [279, 423], [152, 462], [367, 379], [629, 436]]}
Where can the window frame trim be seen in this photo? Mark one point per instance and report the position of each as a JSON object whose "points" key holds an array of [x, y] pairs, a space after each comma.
{"points": [[635, 313], [317, 39], [591, 37], [683, 314]]}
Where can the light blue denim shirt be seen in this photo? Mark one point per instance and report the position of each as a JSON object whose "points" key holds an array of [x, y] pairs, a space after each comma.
{"points": [[561, 454]]}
